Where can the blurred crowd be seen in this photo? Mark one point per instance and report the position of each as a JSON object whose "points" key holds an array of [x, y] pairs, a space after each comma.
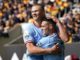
{"points": [[13, 12]]}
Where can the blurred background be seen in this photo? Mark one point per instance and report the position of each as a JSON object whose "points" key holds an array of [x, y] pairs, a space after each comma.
{"points": [[15, 12]]}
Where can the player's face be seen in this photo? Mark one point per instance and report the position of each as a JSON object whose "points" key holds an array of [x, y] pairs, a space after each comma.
{"points": [[45, 28], [36, 12]]}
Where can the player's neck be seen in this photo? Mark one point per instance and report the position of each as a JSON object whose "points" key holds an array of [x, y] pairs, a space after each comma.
{"points": [[51, 32], [38, 23]]}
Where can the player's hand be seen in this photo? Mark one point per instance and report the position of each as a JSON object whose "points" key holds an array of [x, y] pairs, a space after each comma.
{"points": [[56, 46], [55, 19], [56, 49]]}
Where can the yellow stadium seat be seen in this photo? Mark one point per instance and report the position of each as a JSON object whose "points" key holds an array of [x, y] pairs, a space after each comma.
{"points": [[70, 40]]}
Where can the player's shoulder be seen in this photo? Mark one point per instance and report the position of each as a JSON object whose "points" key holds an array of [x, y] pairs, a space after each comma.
{"points": [[44, 38], [26, 24], [31, 20]]}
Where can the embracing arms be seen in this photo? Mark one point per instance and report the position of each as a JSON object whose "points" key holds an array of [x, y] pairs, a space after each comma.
{"points": [[37, 50]]}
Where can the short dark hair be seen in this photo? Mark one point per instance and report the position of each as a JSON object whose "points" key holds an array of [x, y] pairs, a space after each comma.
{"points": [[50, 21], [41, 7]]}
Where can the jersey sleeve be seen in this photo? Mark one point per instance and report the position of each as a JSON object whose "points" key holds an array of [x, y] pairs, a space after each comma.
{"points": [[42, 42], [27, 33]]}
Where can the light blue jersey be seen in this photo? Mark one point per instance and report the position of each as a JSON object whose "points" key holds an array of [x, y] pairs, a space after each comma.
{"points": [[31, 33], [48, 42]]}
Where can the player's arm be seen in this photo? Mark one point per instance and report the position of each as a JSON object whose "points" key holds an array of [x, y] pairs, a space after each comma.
{"points": [[37, 50], [62, 30]]}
